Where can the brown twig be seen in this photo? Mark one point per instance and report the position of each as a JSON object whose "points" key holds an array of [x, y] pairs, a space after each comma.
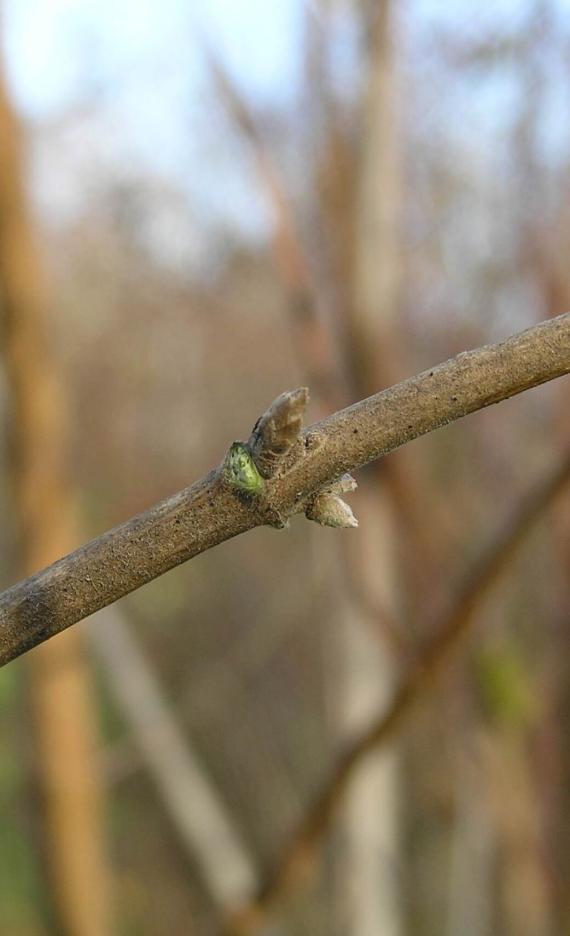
{"points": [[213, 510], [298, 856]]}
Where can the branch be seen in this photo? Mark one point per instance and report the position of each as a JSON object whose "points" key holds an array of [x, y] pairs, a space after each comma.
{"points": [[235, 497], [298, 856], [311, 337], [198, 813]]}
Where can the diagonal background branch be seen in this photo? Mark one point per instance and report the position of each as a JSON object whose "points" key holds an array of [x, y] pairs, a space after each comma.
{"points": [[298, 856], [198, 813], [210, 511], [311, 335]]}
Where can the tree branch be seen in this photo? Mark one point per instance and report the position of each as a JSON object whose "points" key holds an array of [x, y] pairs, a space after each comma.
{"points": [[198, 813], [221, 505]]}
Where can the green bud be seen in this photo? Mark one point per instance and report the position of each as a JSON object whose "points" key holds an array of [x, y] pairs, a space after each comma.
{"points": [[241, 471]]}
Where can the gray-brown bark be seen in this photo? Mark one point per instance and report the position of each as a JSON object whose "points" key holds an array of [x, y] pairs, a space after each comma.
{"points": [[212, 510]]}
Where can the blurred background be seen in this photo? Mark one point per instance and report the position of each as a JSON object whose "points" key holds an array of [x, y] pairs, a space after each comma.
{"points": [[202, 205]]}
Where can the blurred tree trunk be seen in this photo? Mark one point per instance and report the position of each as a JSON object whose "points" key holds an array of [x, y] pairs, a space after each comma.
{"points": [[370, 850], [470, 909], [59, 681], [523, 894], [548, 256]]}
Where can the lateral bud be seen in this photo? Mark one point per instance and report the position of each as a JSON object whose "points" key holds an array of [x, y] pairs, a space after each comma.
{"points": [[330, 510], [240, 471], [277, 430]]}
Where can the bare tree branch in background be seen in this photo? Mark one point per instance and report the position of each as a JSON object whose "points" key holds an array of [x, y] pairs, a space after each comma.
{"points": [[298, 856], [311, 337], [229, 501], [199, 816]]}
